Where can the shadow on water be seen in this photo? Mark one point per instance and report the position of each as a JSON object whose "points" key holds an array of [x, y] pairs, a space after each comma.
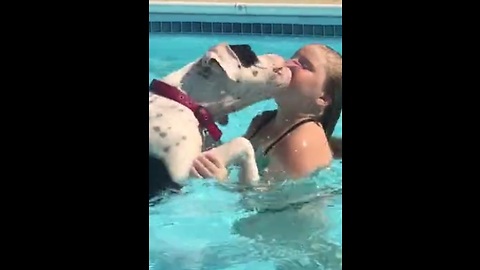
{"points": [[294, 237], [297, 224], [290, 225]]}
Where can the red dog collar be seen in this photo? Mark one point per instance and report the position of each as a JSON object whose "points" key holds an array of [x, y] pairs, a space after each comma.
{"points": [[203, 116]]}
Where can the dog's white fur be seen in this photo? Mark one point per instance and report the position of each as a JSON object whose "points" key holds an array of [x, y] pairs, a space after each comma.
{"points": [[218, 82]]}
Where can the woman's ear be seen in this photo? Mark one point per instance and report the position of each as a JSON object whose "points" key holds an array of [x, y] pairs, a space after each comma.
{"points": [[324, 100]]}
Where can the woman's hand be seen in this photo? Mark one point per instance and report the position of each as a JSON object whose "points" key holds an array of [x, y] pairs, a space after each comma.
{"points": [[207, 165]]}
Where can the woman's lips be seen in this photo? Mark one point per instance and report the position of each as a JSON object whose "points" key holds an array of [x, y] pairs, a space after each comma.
{"points": [[292, 63]]}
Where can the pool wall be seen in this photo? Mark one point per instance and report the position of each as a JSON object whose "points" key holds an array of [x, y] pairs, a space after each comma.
{"points": [[245, 19]]}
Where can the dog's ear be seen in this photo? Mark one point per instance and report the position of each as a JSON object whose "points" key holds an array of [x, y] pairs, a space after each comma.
{"points": [[223, 56], [223, 120], [245, 54]]}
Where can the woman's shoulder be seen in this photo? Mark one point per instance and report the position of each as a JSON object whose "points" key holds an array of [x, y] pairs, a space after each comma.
{"points": [[309, 135], [305, 150]]}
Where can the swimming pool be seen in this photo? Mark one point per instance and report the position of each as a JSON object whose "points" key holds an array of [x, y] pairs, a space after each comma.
{"points": [[211, 227]]}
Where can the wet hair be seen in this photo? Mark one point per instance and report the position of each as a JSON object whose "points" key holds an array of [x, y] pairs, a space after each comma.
{"points": [[333, 88]]}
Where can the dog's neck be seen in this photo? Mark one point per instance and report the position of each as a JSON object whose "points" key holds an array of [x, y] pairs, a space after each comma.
{"points": [[204, 91]]}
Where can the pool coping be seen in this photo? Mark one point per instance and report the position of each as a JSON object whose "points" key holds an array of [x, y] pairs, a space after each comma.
{"points": [[245, 18], [238, 8]]}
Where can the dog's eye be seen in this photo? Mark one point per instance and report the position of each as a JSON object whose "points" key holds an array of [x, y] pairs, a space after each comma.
{"points": [[210, 62]]}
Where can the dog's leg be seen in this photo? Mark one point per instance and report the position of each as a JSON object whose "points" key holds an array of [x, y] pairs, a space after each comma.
{"points": [[179, 158], [241, 151], [169, 171]]}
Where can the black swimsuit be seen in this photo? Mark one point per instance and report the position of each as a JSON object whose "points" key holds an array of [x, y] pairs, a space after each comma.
{"points": [[262, 160], [288, 131]]}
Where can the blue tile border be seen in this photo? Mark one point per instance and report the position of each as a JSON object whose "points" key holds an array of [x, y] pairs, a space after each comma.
{"points": [[263, 29]]}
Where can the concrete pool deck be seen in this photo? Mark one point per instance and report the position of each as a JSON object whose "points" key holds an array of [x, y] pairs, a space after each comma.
{"points": [[316, 2]]}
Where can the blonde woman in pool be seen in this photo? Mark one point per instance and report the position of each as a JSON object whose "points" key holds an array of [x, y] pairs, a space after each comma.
{"points": [[296, 139]]}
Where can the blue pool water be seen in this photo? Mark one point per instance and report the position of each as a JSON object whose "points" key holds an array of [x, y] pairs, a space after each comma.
{"points": [[213, 227]]}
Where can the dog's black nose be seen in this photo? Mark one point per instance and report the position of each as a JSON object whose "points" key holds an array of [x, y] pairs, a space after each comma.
{"points": [[244, 52]]}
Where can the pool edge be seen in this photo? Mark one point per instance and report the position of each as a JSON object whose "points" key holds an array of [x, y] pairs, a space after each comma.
{"points": [[211, 8], [283, 17]]}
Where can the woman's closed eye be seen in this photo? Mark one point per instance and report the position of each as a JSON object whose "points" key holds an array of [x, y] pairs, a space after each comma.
{"points": [[305, 63]]}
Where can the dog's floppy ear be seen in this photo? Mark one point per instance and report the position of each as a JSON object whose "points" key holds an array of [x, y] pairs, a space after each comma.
{"points": [[245, 54], [223, 56]]}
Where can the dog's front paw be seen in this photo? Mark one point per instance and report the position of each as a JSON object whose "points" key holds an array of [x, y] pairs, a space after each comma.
{"points": [[241, 152], [249, 172]]}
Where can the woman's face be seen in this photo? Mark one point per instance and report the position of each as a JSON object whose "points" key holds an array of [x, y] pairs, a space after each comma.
{"points": [[308, 77]]}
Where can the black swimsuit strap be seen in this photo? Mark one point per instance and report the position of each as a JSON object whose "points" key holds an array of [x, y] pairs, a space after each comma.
{"points": [[292, 128], [262, 124], [270, 118]]}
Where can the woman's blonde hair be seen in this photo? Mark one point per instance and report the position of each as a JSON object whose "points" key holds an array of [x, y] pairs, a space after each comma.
{"points": [[333, 88]]}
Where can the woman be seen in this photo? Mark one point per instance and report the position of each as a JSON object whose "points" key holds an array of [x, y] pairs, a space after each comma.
{"points": [[293, 141]]}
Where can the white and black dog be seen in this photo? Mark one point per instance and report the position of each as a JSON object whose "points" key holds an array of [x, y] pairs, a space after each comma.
{"points": [[189, 101]]}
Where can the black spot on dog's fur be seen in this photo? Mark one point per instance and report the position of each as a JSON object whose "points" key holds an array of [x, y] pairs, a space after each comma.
{"points": [[245, 54], [159, 114], [184, 138], [162, 134], [177, 144], [156, 129], [166, 149], [180, 110], [255, 73], [169, 128]]}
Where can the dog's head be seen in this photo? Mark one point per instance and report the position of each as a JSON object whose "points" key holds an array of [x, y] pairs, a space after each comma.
{"points": [[228, 78]]}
